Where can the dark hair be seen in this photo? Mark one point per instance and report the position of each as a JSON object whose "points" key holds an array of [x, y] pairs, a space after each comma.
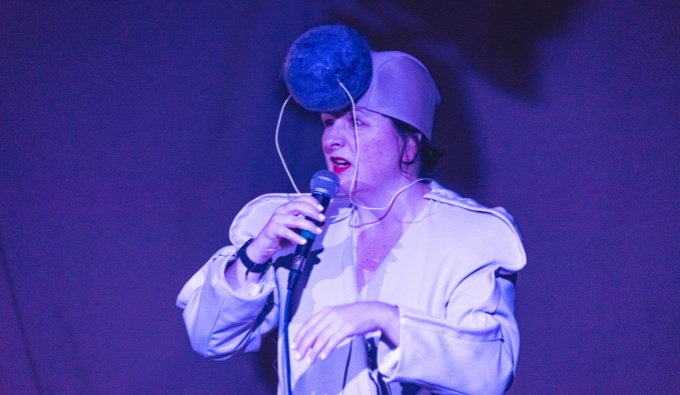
{"points": [[428, 154]]}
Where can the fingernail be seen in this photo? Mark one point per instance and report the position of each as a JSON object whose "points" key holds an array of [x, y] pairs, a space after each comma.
{"points": [[303, 240], [320, 207], [309, 360], [322, 217], [298, 356], [293, 346], [318, 230], [322, 356]]}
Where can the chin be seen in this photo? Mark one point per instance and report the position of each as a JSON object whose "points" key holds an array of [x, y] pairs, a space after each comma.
{"points": [[345, 186]]}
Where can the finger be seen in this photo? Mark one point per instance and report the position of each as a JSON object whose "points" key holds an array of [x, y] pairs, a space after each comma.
{"points": [[288, 227], [309, 334], [317, 340], [308, 199], [327, 342], [304, 337], [307, 206], [302, 223], [323, 332], [278, 232], [327, 339], [285, 233]]}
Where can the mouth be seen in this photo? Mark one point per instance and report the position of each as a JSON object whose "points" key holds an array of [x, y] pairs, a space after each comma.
{"points": [[340, 164]]}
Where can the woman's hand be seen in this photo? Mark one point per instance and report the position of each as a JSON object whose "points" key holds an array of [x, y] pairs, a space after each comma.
{"points": [[279, 232], [323, 331], [282, 229]]}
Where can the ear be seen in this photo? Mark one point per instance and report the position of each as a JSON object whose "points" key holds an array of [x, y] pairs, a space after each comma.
{"points": [[411, 148]]}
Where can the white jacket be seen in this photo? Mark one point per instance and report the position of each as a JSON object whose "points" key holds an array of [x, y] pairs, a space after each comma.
{"points": [[450, 274]]}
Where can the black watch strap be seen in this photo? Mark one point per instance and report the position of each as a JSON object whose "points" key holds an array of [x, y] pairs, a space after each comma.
{"points": [[249, 264]]}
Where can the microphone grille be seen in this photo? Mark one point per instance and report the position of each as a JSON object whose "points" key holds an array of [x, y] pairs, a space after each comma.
{"points": [[325, 181]]}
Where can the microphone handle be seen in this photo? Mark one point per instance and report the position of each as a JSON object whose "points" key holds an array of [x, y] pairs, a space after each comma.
{"points": [[302, 251]]}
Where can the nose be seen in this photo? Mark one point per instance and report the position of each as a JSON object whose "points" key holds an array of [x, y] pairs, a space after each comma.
{"points": [[333, 137]]}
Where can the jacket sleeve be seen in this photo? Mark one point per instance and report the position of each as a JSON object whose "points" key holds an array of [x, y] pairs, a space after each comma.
{"points": [[473, 349], [221, 321]]}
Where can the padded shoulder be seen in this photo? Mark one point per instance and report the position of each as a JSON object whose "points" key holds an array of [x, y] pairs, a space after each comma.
{"points": [[441, 194]]}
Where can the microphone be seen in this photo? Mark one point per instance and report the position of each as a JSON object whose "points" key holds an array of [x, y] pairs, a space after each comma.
{"points": [[324, 185]]}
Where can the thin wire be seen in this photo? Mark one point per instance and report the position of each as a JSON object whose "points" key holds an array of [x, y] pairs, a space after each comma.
{"points": [[356, 167], [353, 184], [356, 140], [278, 148], [286, 346], [287, 377]]}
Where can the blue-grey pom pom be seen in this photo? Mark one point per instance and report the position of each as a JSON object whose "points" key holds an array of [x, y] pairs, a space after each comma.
{"points": [[320, 58]]}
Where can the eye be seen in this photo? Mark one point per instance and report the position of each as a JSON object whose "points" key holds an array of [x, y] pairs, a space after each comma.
{"points": [[356, 122], [328, 122]]}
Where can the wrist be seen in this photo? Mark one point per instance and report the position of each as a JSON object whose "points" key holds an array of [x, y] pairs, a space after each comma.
{"points": [[390, 326], [252, 266]]}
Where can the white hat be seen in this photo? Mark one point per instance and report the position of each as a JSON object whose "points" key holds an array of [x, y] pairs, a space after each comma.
{"points": [[402, 88]]}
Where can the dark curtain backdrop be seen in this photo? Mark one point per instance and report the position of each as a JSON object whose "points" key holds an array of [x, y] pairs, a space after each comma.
{"points": [[132, 132]]}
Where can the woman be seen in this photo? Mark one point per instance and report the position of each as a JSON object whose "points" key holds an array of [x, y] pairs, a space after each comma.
{"points": [[413, 286]]}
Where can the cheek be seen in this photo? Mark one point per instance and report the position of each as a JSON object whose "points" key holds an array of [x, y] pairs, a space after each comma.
{"points": [[380, 153]]}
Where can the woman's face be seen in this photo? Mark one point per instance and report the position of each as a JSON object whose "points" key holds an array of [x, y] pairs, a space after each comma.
{"points": [[379, 153]]}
